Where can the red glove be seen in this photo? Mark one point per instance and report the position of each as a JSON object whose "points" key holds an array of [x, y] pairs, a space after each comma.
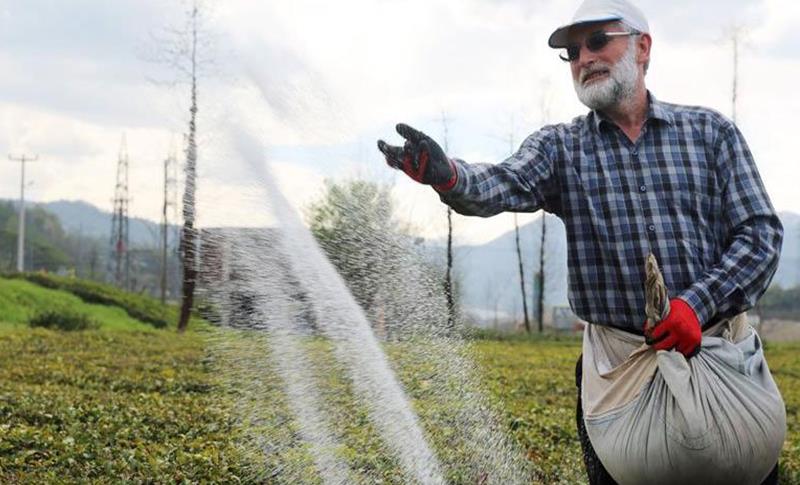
{"points": [[421, 158], [680, 330]]}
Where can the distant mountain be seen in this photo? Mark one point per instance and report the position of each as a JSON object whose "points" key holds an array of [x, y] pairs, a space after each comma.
{"points": [[489, 273], [81, 217], [788, 274]]}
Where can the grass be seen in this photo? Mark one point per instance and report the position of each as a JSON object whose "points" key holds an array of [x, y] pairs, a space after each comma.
{"points": [[21, 300], [138, 306]]}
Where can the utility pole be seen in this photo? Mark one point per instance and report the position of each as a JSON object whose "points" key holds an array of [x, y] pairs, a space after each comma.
{"points": [[170, 181], [120, 260], [448, 280], [21, 231], [736, 33]]}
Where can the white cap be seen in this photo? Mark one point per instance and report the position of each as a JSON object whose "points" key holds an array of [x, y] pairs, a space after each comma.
{"points": [[593, 11]]}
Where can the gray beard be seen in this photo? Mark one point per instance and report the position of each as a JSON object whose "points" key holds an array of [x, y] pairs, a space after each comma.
{"points": [[616, 89]]}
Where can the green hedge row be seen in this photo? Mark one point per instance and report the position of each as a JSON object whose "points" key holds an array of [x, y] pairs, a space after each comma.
{"points": [[69, 321]]}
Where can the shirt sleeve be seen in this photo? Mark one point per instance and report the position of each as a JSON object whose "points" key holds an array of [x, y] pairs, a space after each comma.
{"points": [[755, 234], [524, 182]]}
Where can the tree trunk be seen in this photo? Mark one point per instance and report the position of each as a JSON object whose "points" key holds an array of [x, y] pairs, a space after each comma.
{"points": [[188, 235], [522, 277], [448, 281], [541, 272]]}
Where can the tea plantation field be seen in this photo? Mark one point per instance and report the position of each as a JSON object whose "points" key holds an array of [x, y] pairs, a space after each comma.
{"points": [[133, 402]]}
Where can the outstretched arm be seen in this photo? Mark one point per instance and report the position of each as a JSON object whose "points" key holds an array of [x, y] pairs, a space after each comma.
{"points": [[525, 182]]}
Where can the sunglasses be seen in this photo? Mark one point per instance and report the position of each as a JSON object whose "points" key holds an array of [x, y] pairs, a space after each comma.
{"points": [[594, 42]]}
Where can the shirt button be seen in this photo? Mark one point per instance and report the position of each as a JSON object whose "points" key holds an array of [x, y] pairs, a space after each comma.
{"points": [[642, 188], [651, 228], [635, 151]]}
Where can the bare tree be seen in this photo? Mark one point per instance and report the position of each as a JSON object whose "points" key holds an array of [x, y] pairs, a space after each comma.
{"points": [[544, 106], [737, 34], [188, 235], [186, 51], [521, 276], [540, 275], [519, 246], [448, 279]]}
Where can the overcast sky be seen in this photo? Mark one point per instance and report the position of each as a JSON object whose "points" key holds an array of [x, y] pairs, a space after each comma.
{"points": [[318, 82]]}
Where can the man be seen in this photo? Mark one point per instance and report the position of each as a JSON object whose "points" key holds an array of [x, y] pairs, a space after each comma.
{"points": [[632, 177]]}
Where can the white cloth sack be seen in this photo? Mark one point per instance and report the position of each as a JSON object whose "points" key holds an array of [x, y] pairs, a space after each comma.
{"points": [[655, 418]]}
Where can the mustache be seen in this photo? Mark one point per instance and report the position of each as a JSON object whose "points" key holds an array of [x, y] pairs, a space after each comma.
{"points": [[586, 72]]}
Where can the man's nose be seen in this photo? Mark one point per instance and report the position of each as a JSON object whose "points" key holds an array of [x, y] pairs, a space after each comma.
{"points": [[586, 57], [584, 64]]}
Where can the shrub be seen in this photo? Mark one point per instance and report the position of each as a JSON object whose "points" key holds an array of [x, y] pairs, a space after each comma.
{"points": [[63, 320]]}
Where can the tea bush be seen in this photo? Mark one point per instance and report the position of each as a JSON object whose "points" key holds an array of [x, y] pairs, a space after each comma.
{"points": [[63, 320], [126, 403], [113, 407]]}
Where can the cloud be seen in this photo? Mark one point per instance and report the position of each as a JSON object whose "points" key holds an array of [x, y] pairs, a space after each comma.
{"points": [[317, 83], [777, 35], [689, 22], [78, 159], [79, 57]]}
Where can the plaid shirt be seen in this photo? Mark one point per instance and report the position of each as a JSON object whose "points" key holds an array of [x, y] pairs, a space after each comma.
{"points": [[687, 190]]}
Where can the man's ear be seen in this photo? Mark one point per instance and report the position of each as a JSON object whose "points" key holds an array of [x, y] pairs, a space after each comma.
{"points": [[643, 45]]}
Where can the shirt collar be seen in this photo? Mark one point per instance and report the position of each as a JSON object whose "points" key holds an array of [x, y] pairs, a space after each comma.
{"points": [[656, 110]]}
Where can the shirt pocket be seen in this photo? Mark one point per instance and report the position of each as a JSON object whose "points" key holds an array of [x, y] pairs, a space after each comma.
{"points": [[604, 193]]}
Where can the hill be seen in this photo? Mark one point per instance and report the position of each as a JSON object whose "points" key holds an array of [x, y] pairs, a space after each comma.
{"points": [[80, 218], [77, 216], [488, 273], [74, 237], [20, 300], [24, 294], [788, 274]]}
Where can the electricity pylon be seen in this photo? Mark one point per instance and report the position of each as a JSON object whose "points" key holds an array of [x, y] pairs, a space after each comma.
{"points": [[120, 256]]}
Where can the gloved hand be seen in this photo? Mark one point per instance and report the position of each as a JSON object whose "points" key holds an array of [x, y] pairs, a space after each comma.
{"points": [[420, 158], [679, 330]]}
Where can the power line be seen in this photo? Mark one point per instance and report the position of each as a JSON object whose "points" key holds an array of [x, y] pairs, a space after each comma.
{"points": [[21, 232]]}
